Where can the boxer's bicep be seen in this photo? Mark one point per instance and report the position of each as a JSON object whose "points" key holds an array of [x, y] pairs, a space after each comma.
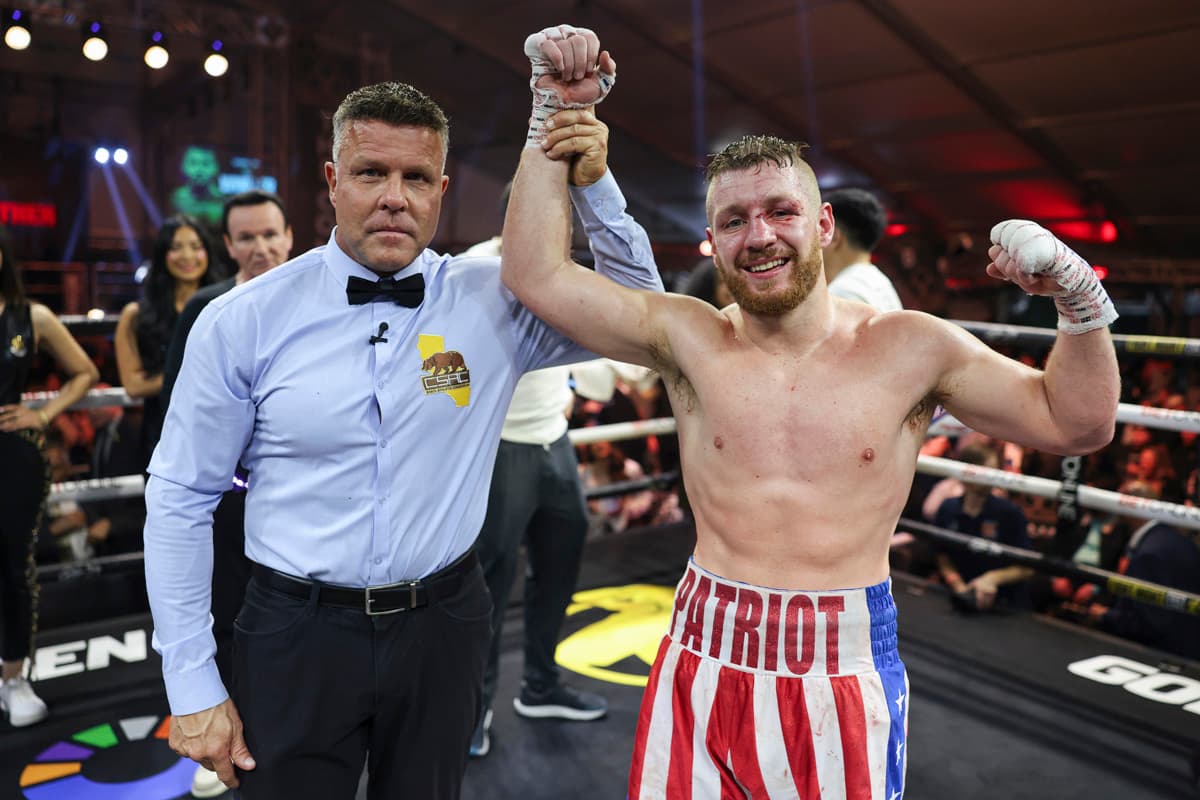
{"points": [[994, 394]]}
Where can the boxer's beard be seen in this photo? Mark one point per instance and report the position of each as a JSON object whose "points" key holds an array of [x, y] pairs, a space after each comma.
{"points": [[801, 280]]}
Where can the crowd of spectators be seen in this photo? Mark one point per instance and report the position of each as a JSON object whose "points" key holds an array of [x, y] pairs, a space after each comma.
{"points": [[1141, 461]]}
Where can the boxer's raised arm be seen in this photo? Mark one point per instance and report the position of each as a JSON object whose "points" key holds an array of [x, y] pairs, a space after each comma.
{"points": [[536, 266], [1070, 407], [570, 71]]}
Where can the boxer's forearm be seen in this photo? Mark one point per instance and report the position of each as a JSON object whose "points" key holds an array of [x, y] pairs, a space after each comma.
{"points": [[537, 228], [1083, 388]]}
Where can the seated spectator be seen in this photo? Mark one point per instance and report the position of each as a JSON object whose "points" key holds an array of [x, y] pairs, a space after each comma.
{"points": [[946, 488], [978, 581], [1103, 547], [607, 464], [115, 453], [66, 523], [1161, 554]]}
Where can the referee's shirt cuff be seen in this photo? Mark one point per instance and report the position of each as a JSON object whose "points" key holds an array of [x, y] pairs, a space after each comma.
{"points": [[195, 690]]}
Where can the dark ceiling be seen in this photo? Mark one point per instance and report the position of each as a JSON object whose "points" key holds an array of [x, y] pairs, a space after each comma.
{"points": [[959, 113]]}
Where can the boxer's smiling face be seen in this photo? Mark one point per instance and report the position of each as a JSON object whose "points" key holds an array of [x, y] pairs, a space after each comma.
{"points": [[767, 228]]}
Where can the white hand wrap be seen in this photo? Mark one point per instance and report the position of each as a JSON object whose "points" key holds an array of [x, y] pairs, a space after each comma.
{"points": [[1082, 303], [546, 102]]}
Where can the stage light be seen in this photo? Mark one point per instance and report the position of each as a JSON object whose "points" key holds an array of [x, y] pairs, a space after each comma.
{"points": [[1101, 271], [706, 248], [95, 48], [16, 29], [1108, 232], [120, 156], [156, 50], [102, 155], [216, 64]]}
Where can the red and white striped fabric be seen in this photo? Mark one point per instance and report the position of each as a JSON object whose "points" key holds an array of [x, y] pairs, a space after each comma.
{"points": [[771, 694]]}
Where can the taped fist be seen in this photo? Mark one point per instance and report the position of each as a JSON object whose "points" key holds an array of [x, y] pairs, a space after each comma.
{"points": [[569, 72], [1033, 258]]}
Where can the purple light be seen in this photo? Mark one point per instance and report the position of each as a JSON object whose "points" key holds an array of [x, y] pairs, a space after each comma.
{"points": [[94, 27], [217, 45], [156, 36]]}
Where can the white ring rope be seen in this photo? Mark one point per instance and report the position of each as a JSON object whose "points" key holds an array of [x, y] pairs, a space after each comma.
{"points": [[1089, 497], [621, 430], [945, 425], [99, 489], [95, 398], [1146, 416], [994, 332]]}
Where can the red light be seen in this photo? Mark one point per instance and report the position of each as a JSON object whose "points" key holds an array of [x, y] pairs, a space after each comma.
{"points": [[896, 229], [1085, 230], [1101, 271]]}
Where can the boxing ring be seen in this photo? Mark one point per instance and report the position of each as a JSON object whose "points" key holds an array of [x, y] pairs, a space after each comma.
{"points": [[1004, 705]]}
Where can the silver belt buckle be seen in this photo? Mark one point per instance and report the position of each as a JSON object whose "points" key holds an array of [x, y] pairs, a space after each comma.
{"points": [[369, 601]]}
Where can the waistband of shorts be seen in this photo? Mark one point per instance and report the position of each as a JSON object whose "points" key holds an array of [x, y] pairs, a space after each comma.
{"points": [[786, 632]]}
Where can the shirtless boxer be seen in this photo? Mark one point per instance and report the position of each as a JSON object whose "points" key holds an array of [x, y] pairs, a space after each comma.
{"points": [[800, 416]]}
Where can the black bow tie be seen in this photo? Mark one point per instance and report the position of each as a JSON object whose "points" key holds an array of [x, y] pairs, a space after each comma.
{"points": [[408, 292]]}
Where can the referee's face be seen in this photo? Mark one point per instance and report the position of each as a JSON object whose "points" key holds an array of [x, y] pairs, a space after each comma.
{"points": [[386, 189]]}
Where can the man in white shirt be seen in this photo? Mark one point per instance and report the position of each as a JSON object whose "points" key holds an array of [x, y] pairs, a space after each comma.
{"points": [[859, 223]]}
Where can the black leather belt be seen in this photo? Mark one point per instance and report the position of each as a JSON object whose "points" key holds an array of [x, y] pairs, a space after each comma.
{"points": [[374, 600]]}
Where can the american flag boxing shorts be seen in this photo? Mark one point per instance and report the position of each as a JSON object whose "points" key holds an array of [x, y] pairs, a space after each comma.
{"points": [[770, 694]]}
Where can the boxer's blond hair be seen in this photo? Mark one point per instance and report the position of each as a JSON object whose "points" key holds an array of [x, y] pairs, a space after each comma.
{"points": [[753, 151]]}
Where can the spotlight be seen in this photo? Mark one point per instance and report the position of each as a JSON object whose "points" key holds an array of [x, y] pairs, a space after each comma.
{"points": [[16, 29], [706, 248], [216, 64], [95, 48], [120, 156], [101, 155], [156, 50]]}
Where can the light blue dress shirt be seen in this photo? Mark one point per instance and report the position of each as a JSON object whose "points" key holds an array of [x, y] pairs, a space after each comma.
{"points": [[370, 463]]}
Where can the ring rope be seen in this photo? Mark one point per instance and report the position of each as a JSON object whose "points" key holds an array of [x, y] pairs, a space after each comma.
{"points": [[1089, 496], [992, 332], [996, 333], [134, 485], [659, 481], [95, 489], [1142, 591], [618, 431], [945, 425], [95, 398], [1146, 416], [104, 563]]}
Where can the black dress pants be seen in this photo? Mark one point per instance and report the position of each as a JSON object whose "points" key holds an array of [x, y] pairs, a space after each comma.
{"points": [[535, 499], [231, 573], [23, 486], [321, 688]]}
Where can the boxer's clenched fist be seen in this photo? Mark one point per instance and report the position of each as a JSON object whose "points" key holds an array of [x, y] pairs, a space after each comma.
{"points": [[569, 71], [1033, 258]]}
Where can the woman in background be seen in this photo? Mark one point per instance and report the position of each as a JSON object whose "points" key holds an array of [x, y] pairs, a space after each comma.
{"points": [[182, 262], [26, 328]]}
